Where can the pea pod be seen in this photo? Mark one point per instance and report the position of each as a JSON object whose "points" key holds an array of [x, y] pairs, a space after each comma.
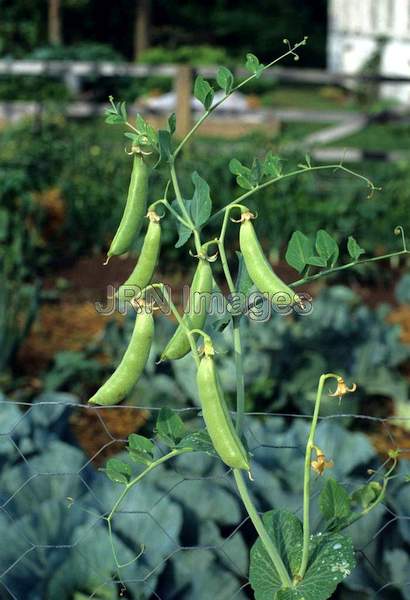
{"points": [[135, 209], [259, 268], [195, 313], [217, 418], [132, 364], [144, 269]]}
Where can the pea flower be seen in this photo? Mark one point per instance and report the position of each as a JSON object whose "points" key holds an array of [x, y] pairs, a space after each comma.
{"points": [[342, 389], [321, 463]]}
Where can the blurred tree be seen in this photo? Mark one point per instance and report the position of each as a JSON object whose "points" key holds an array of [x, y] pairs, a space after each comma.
{"points": [[141, 27], [238, 25]]}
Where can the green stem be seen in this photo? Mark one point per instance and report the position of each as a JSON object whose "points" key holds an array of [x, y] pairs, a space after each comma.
{"points": [[266, 184], [141, 475], [346, 266], [306, 481], [379, 499], [174, 212], [261, 530], [234, 89]]}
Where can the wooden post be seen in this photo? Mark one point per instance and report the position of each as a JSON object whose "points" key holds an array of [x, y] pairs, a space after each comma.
{"points": [[54, 22], [183, 93], [141, 27]]}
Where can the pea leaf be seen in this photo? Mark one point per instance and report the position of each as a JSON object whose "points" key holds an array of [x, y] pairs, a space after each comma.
{"points": [[271, 165], [184, 233], [331, 559], [198, 441], [148, 135], [224, 79], [367, 494], [334, 502], [327, 247], [256, 172], [172, 123], [243, 174], [354, 249], [141, 449], [203, 92], [164, 141], [118, 471], [169, 427], [201, 205], [253, 65], [299, 251], [317, 261]]}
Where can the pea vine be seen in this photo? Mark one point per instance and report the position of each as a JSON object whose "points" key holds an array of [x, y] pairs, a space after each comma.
{"points": [[287, 562]]}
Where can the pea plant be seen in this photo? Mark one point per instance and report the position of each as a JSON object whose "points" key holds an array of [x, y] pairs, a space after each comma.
{"points": [[287, 561]]}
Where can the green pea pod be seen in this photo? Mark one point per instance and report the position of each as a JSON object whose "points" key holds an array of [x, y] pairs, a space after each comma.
{"points": [[132, 364], [147, 261], [135, 209], [217, 418], [259, 268], [195, 313]]}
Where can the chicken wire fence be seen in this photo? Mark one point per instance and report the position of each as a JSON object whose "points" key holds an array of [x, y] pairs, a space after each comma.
{"points": [[182, 532]]}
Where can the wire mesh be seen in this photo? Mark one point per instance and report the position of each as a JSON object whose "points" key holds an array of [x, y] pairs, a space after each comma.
{"points": [[46, 510]]}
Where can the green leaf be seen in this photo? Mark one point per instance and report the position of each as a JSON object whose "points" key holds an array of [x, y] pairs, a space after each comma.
{"points": [[172, 123], [354, 249], [367, 494], [331, 559], [243, 173], [184, 233], [243, 182], [118, 470], [169, 427], [256, 172], [271, 165], [201, 205], [113, 119], [203, 92], [327, 247], [224, 79], [235, 166], [334, 502], [164, 141], [317, 261], [198, 441], [299, 251], [141, 449], [148, 135], [252, 62]]}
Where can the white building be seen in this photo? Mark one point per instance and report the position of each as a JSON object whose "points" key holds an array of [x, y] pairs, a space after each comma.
{"points": [[359, 28]]}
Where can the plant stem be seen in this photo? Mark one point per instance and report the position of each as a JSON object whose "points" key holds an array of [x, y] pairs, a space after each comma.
{"points": [[141, 475], [261, 530], [346, 266], [266, 184], [306, 480], [234, 89], [365, 511]]}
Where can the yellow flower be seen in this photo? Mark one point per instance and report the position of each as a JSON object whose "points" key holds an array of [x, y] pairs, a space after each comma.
{"points": [[342, 389], [321, 463]]}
